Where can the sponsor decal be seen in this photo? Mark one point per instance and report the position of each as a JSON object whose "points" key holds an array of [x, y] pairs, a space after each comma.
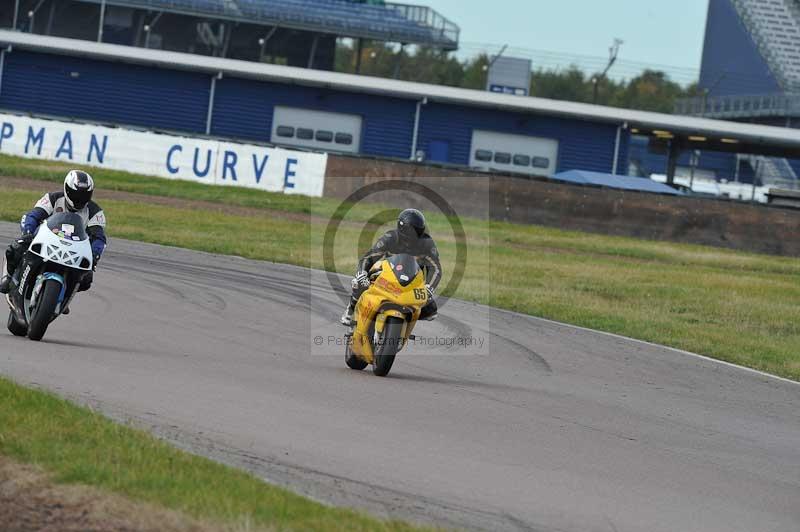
{"points": [[389, 287], [23, 279], [399, 267], [44, 203], [404, 277]]}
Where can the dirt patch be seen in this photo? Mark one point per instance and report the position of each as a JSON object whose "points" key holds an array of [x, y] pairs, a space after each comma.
{"points": [[30, 501]]}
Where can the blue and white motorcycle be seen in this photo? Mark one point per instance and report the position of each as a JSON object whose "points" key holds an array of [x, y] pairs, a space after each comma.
{"points": [[46, 280]]}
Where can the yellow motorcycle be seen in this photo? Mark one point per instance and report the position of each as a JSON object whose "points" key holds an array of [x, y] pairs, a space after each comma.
{"points": [[386, 314]]}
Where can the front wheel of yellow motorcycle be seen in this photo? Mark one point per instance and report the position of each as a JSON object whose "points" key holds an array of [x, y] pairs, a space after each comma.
{"points": [[388, 345]]}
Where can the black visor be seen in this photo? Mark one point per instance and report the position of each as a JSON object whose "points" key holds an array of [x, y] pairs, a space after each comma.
{"points": [[79, 198]]}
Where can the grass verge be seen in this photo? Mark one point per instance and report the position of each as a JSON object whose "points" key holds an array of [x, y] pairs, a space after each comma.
{"points": [[77, 446]]}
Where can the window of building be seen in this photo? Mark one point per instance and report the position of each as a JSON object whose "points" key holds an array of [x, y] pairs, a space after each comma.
{"points": [[305, 134], [286, 132], [325, 136], [522, 160], [344, 138], [541, 162], [502, 158], [484, 155]]}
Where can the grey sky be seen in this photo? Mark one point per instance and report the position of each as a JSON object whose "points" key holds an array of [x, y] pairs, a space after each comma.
{"points": [[656, 32]]}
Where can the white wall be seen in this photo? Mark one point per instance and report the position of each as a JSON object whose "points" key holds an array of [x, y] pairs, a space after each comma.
{"points": [[210, 162]]}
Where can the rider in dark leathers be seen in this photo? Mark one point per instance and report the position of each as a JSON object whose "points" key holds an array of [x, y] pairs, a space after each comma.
{"points": [[412, 238]]}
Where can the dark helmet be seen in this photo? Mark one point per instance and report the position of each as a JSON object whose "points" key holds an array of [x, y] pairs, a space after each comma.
{"points": [[78, 189], [410, 225]]}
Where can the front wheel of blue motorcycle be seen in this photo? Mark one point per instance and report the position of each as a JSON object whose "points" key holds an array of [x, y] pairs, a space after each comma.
{"points": [[45, 309]]}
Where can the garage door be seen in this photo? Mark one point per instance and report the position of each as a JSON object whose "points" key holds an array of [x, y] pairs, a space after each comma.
{"points": [[513, 153], [320, 130]]}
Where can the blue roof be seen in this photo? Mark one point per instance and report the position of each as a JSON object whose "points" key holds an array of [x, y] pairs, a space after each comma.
{"points": [[641, 184]]}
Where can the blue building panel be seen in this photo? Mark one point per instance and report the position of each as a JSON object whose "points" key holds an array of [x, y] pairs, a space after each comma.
{"points": [[104, 91], [582, 145], [244, 109], [732, 63]]}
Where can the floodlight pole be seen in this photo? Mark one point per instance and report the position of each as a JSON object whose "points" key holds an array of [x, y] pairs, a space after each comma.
{"points": [[16, 14], [102, 21], [613, 52]]}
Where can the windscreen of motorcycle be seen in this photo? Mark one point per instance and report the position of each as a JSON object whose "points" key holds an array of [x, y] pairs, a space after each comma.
{"points": [[405, 268], [67, 225]]}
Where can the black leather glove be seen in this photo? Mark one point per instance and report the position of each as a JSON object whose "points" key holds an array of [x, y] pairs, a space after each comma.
{"points": [[86, 282]]}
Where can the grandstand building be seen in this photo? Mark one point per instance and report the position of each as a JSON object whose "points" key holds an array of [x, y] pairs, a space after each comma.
{"points": [[750, 73], [299, 33]]}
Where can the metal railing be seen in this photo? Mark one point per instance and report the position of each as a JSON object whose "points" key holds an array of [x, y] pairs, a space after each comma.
{"points": [[430, 18], [747, 106], [390, 22]]}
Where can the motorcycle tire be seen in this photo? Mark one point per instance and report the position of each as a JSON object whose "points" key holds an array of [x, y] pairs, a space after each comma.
{"points": [[14, 326], [46, 307], [388, 347]]}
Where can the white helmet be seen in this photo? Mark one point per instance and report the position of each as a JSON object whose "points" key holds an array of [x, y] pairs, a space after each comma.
{"points": [[78, 189]]}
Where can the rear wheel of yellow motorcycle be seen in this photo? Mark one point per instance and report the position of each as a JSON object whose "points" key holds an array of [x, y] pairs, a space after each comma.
{"points": [[388, 346]]}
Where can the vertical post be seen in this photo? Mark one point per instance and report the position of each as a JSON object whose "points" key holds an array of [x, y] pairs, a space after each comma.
{"points": [[415, 137], [50, 19], [759, 164], [615, 163], [102, 21], [313, 53], [228, 29], [2, 68], [359, 51], [694, 162], [672, 162], [211, 97], [16, 14], [399, 61]]}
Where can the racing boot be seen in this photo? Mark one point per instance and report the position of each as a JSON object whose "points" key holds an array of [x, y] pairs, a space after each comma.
{"points": [[347, 317], [5, 281], [5, 284]]}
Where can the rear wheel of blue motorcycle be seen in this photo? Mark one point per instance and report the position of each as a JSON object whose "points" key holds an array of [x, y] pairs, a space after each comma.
{"points": [[14, 326], [43, 314]]}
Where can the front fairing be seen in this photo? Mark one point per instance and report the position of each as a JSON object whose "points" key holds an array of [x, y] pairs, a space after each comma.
{"points": [[387, 297]]}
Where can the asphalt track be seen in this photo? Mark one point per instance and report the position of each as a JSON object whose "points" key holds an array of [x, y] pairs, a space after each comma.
{"points": [[547, 427]]}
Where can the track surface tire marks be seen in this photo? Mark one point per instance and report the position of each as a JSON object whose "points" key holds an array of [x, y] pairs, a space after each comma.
{"points": [[551, 428]]}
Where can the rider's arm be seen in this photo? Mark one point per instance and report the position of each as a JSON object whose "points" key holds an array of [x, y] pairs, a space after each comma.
{"points": [[376, 253], [41, 211], [96, 229], [432, 266]]}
